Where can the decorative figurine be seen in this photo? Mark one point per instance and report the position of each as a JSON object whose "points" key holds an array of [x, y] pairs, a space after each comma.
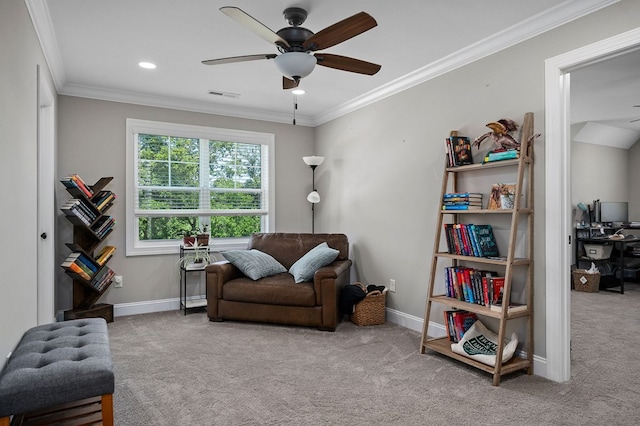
{"points": [[500, 134]]}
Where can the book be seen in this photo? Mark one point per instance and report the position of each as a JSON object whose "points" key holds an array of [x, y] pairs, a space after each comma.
{"points": [[461, 207], [86, 189], [462, 195], [474, 241], [493, 288], [463, 320], [105, 254], [462, 150], [462, 203], [458, 150], [75, 268], [501, 155], [88, 262], [486, 240], [69, 260]]}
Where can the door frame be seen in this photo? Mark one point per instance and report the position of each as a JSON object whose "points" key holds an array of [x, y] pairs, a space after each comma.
{"points": [[46, 115], [558, 207]]}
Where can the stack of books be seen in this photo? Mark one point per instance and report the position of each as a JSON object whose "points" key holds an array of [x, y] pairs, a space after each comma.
{"points": [[102, 278], [462, 201], [81, 264], [79, 208], [75, 182], [103, 199], [103, 226], [503, 154]]}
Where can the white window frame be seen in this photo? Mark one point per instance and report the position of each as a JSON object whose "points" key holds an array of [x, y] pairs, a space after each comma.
{"points": [[134, 247]]}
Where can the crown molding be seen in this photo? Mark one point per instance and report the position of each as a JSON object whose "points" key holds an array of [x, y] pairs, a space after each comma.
{"points": [[535, 25], [41, 20], [531, 27], [138, 98]]}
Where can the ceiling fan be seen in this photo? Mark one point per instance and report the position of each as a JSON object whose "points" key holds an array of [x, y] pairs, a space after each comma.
{"points": [[297, 44]]}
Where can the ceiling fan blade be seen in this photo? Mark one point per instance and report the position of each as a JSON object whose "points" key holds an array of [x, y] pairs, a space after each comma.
{"points": [[253, 25], [287, 83], [233, 59], [345, 63], [340, 31]]}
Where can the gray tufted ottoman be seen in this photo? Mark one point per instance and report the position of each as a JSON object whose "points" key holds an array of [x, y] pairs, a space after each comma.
{"points": [[56, 364]]}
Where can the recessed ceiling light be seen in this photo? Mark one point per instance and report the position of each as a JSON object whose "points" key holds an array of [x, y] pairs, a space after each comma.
{"points": [[298, 91], [147, 65]]}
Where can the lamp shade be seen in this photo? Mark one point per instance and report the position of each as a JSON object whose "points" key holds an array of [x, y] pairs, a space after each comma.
{"points": [[313, 197], [313, 160], [295, 65]]}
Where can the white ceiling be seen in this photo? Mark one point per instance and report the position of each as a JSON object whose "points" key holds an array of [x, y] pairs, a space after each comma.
{"points": [[93, 47], [605, 101]]}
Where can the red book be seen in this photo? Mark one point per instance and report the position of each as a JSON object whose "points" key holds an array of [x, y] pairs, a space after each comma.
{"points": [[81, 185]]}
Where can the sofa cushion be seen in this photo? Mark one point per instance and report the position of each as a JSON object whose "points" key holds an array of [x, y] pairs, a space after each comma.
{"points": [[277, 289], [254, 263], [319, 256]]}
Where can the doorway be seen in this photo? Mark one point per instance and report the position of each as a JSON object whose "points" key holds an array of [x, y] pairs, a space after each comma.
{"points": [[558, 192]]}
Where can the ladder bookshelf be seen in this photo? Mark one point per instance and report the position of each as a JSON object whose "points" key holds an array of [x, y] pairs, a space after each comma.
{"points": [[515, 270]]}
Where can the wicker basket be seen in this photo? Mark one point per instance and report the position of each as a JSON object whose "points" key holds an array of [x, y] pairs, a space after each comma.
{"points": [[370, 310], [583, 281]]}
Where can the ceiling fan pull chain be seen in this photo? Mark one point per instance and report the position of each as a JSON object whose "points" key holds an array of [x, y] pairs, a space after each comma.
{"points": [[295, 107]]}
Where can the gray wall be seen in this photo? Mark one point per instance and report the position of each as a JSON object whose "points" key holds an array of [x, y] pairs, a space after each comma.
{"points": [[385, 161], [92, 143], [21, 55], [604, 173]]}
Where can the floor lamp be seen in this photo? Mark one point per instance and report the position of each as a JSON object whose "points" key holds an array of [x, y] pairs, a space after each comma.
{"points": [[313, 161]]}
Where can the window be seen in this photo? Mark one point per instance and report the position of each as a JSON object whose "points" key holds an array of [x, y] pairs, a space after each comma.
{"points": [[182, 178]]}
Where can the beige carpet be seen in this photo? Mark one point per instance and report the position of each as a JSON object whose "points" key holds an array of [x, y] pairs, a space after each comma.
{"points": [[174, 369]]}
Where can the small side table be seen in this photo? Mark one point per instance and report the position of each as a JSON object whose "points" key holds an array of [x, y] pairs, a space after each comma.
{"points": [[186, 270]]}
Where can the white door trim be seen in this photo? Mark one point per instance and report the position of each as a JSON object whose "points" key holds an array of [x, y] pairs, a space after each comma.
{"points": [[558, 190], [46, 202]]}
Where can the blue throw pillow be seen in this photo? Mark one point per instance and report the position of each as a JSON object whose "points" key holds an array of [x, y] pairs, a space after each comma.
{"points": [[319, 256], [254, 263]]}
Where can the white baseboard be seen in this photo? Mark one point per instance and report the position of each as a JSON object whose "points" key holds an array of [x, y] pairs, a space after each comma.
{"points": [[146, 307]]}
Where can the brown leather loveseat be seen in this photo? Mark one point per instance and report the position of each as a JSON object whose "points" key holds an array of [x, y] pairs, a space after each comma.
{"points": [[278, 298]]}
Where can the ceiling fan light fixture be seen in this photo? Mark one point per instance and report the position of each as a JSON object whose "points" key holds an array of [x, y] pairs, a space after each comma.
{"points": [[295, 65], [298, 91]]}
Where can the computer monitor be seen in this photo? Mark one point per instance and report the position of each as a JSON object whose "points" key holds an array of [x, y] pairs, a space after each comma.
{"points": [[614, 211]]}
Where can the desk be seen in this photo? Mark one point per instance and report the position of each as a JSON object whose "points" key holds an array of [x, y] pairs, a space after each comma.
{"points": [[620, 244]]}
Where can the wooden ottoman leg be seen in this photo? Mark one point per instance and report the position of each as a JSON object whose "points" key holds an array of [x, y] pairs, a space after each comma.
{"points": [[107, 410]]}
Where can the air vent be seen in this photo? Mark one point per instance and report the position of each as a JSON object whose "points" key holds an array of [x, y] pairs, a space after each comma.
{"points": [[225, 94]]}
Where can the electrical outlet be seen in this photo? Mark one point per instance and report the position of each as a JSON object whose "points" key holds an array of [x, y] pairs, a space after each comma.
{"points": [[392, 285], [117, 281]]}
